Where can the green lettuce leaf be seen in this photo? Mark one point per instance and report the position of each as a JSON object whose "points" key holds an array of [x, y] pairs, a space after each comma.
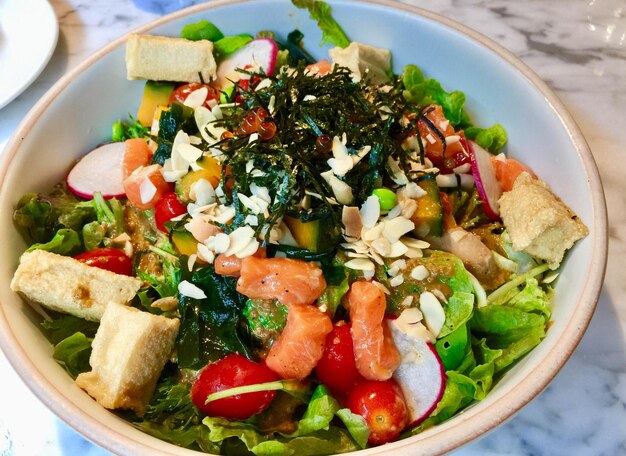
{"points": [[321, 12], [121, 131], [458, 310], [93, 235], [356, 425], [452, 349], [532, 298], [172, 416], [201, 30], [194, 437], [491, 139], [66, 325], [230, 44], [320, 412], [65, 242], [41, 216], [504, 325], [483, 373], [458, 393], [424, 91], [73, 353]]}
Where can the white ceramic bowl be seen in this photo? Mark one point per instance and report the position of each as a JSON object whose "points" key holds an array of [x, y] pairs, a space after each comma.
{"points": [[78, 111]]}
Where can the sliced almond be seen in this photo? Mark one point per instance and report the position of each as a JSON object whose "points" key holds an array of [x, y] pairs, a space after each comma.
{"points": [[395, 228], [360, 264], [434, 316], [419, 272], [351, 219], [196, 98], [190, 290], [370, 211]]}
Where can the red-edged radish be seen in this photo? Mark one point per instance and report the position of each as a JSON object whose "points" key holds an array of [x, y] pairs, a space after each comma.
{"points": [[421, 374], [487, 185], [260, 53], [101, 170]]}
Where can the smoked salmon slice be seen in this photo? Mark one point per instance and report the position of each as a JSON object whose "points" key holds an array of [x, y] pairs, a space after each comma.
{"points": [[230, 265], [301, 344], [287, 280], [375, 353]]}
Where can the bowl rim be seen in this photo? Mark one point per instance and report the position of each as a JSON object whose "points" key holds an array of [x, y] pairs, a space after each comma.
{"points": [[501, 410]]}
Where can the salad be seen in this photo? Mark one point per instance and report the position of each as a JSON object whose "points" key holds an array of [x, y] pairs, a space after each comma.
{"points": [[284, 255]]}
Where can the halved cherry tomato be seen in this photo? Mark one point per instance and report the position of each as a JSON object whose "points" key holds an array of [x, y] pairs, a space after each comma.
{"points": [[181, 93], [137, 154], [455, 153], [166, 209], [133, 187], [383, 407], [229, 372], [337, 368], [114, 260]]}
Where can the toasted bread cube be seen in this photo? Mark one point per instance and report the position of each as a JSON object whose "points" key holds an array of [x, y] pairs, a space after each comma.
{"points": [[66, 285], [128, 354], [161, 58], [538, 222], [362, 59]]}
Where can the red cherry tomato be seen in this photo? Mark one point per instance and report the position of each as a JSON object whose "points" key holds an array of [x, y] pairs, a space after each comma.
{"points": [[229, 372], [337, 368], [383, 407], [181, 93], [166, 209], [114, 260]]}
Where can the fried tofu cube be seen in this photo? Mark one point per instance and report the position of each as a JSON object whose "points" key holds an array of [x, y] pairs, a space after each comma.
{"points": [[128, 354], [538, 222], [363, 60], [161, 58], [66, 285]]}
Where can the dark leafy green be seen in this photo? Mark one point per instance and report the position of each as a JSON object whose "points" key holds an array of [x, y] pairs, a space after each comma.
{"points": [[210, 328], [73, 353], [64, 242], [178, 117]]}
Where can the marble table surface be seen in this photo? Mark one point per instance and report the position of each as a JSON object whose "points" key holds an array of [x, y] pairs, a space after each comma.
{"points": [[579, 48]]}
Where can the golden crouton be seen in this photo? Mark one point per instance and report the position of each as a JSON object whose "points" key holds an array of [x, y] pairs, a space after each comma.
{"points": [[66, 285], [360, 58], [538, 222], [128, 354], [160, 58]]}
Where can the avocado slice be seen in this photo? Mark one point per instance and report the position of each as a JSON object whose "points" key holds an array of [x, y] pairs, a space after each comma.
{"points": [[154, 94], [428, 217], [184, 242], [316, 235], [211, 171]]}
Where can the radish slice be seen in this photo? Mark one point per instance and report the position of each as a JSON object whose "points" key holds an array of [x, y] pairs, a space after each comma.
{"points": [[487, 185], [259, 53], [101, 170], [421, 374]]}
